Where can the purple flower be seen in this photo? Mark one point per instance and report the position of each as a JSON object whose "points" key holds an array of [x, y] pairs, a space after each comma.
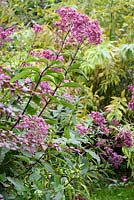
{"points": [[124, 179], [37, 28], [48, 54], [80, 198], [68, 96], [123, 138], [5, 35], [46, 87], [131, 103], [98, 118], [105, 129], [51, 55], [9, 140], [115, 159], [131, 88], [116, 122], [35, 133], [4, 79], [81, 127], [108, 150], [1, 197], [101, 142], [78, 26]]}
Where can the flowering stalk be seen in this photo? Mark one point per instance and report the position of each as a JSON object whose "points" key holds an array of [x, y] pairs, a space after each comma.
{"points": [[39, 80], [77, 28], [58, 86], [63, 42]]}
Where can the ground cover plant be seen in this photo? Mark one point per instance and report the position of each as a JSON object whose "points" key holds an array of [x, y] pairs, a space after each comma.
{"points": [[122, 193], [66, 102]]}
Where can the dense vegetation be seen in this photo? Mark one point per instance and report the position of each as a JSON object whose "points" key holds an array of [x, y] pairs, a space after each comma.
{"points": [[66, 99]]}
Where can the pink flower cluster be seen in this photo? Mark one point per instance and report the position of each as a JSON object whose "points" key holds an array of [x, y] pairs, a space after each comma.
{"points": [[124, 138], [35, 132], [101, 142], [114, 158], [4, 79], [48, 54], [80, 198], [37, 28], [78, 26], [81, 127], [1, 197], [68, 96], [58, 69], [5, 35], [45, 89], [131, 103], [9, 140], [124, 179], [100, 120]]}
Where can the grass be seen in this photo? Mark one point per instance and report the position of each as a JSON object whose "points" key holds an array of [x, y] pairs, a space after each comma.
{"points": [[114, 193]]}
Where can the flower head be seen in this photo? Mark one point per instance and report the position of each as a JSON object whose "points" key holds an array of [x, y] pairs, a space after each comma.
{"points": [[131, 103], [81, 127], [4, 79], [48, 54], [98, 118], [124, 138], [78, 26], [68, 96], [35, 132], [124, 179], [46, 87], [5, 35], [37, 28], [115, 159]]}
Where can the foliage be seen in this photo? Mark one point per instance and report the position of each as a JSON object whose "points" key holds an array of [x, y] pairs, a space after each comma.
{"points": [[65, 105], [115, 193]]}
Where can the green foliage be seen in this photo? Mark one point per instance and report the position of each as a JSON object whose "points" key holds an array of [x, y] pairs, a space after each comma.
{"points": [[68, 164], [121, 193]]}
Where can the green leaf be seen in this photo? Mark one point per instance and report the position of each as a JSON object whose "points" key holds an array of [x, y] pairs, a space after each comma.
{"points": [[93, 154], [18, 184], [36, 99], [3, 152], [48, 78], [70, 84], [33, 68], [65, 103], [31, 109], [57, 75], [59, 196], [60, 101], [23, 158], [23, 74], [36, 59], [49, 168]]}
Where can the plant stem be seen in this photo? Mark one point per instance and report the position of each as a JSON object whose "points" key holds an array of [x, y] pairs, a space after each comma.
{"points": [[57, 87], [19, 118]]}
